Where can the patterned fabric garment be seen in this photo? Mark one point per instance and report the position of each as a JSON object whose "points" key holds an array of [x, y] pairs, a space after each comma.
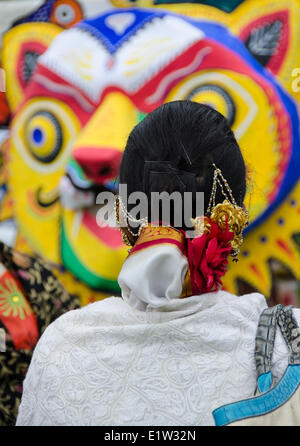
{"points": [[30, 299], [150, 357]]}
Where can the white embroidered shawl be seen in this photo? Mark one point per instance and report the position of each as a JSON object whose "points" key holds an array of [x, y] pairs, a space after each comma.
{"points": [[148, 358]]}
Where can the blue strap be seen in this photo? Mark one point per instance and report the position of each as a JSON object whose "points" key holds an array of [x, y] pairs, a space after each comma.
{"points": [[262, 404], [271, 397]]}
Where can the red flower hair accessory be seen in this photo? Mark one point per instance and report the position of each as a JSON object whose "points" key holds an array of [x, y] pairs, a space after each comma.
{"points": [[208, 257], [219, 234]]}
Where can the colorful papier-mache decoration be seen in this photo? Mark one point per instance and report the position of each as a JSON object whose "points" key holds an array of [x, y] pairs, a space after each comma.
{"points": [[28, 38], [270, 32], [24, 41], [92, 85]]}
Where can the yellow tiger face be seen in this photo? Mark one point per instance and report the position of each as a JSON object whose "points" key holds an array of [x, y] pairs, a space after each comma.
{"points": [[92, 85]]}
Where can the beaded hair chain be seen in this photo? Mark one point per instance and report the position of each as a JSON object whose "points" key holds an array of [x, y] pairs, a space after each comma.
{"points": [[227, 215]]}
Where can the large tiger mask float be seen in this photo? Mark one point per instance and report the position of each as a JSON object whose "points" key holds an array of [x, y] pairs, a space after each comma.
{"points": [[90, 87]]}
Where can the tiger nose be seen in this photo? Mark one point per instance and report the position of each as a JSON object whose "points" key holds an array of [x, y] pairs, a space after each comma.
{"points": [[98, 164]]}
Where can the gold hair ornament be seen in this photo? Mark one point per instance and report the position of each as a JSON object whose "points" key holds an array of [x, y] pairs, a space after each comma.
{"points": [[226, 214]]}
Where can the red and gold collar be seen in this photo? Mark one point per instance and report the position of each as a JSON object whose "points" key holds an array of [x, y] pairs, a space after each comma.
{"points": [[207, 254]]}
